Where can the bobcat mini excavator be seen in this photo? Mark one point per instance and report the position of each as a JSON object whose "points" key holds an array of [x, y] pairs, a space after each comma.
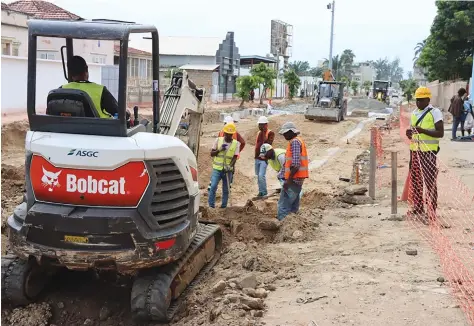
{"points": [[104, 197]]}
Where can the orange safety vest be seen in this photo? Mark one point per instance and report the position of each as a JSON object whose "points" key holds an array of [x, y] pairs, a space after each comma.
{"points": [[264, 139], [303, 171]]}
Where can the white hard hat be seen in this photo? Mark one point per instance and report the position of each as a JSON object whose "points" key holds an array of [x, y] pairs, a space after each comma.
{"points": [[262, 119], [264, 149], [228, 119]]}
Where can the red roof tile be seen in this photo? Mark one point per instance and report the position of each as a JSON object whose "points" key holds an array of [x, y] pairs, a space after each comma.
{"points": [[132, 51], [42, 10]]}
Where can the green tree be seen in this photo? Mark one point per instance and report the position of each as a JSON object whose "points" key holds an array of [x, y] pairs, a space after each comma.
{"points": [[408, 87], [301, 68], [367, 85], [341, 64], [346, 82], [448, 51], [167, 73], [355, 86], [293, 81], [316, 72], [388, 70], [265, 75], [418, 48], [244, 85]]}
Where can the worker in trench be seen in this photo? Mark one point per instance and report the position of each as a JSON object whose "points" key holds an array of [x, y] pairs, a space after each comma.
{"points": [[264, 136], [276, 160], [296, 170], [426, 129], [236, 136], [225, 152]]}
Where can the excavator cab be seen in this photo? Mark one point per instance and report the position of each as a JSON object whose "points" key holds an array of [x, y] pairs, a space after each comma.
{"points": [[106, 196], [79, 114]]}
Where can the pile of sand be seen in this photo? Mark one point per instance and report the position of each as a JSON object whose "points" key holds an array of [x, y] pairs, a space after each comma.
{"points": [[13, 186], [13, 135]]}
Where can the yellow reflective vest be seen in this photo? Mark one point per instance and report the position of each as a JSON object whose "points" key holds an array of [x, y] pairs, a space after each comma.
{"points": [[94, 91], [275, 163], [224, 158], [422, 142]]}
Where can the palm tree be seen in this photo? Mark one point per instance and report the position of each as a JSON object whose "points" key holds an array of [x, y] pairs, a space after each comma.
{"points": [[336, 66], [418, 48], [347, 58], [299, 67]]}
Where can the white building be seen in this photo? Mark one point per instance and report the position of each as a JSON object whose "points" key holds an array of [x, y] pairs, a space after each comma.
{"points": [[363, 71], [15, 33], [49, 73]]}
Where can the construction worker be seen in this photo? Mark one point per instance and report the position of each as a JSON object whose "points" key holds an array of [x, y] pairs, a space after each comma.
{"points": [[225, 152], [296, 170], [276, 159], [236, 136], [426, 128], [104, 101], [264, 136]]}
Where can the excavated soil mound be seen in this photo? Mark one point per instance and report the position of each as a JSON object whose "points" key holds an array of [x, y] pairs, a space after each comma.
{"points": [[318, 199], [211, 117], [299, 227], [242, 223], [13, 135], [13, 181]]}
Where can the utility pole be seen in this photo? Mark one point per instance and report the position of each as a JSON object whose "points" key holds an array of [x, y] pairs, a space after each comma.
{"points": [[471, 93], [331, 6], [277, 71]]}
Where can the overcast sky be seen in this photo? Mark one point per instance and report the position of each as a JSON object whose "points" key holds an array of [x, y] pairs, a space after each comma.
{"points": [[372, 29]]}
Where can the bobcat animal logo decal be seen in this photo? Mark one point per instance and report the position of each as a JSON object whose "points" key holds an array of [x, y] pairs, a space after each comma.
{"points": [[50, 179]]}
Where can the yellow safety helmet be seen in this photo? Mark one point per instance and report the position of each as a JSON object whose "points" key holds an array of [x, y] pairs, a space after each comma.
{"points": [[229, 128], [423, 92]]}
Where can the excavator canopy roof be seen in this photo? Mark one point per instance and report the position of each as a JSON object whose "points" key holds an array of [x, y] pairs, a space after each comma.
{"points": [[96, 29]]}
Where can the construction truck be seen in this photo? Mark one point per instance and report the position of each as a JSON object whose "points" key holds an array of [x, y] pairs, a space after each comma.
{"points": [[110, 194], [380, 91], [329, 103]]}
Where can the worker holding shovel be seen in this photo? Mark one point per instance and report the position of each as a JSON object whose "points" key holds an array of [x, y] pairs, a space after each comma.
{"points": [[225, 152]]}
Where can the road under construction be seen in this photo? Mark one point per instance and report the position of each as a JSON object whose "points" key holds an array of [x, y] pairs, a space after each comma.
{"points": [[343, 259]]}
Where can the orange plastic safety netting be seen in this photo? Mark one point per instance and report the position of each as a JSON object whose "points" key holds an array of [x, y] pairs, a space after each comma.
{"points": [[440, 207]]}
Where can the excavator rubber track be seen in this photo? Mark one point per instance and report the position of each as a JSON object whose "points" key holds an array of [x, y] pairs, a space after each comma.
{"points": [[157, 295]]}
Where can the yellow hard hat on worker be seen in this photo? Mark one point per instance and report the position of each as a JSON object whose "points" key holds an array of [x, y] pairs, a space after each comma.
{"points": [[423, 92], [229, 128]]}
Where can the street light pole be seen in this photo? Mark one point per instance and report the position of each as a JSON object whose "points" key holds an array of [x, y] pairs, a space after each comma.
{"points": [[331, 6]]}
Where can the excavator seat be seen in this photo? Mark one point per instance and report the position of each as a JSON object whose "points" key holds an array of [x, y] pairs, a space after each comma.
{"points": [[70, 103]]}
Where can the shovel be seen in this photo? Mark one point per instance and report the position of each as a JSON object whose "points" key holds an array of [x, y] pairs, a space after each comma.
{"points": [[227, 175]]}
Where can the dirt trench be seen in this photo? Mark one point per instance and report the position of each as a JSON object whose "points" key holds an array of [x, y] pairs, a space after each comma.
{"points": [[77, 298]]}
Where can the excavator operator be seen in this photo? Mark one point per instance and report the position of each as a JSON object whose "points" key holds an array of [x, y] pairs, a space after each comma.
{"points": [[104, 101]]}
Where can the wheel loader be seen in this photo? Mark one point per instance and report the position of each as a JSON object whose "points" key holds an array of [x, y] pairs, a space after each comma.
{"points": [[329, 103], [115, 194]]}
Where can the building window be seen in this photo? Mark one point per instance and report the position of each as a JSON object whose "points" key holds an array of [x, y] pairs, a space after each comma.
{"points": [[133, 67], [46, 55], [150, 70], [143, 69], [6, 48], [99, 58]]}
